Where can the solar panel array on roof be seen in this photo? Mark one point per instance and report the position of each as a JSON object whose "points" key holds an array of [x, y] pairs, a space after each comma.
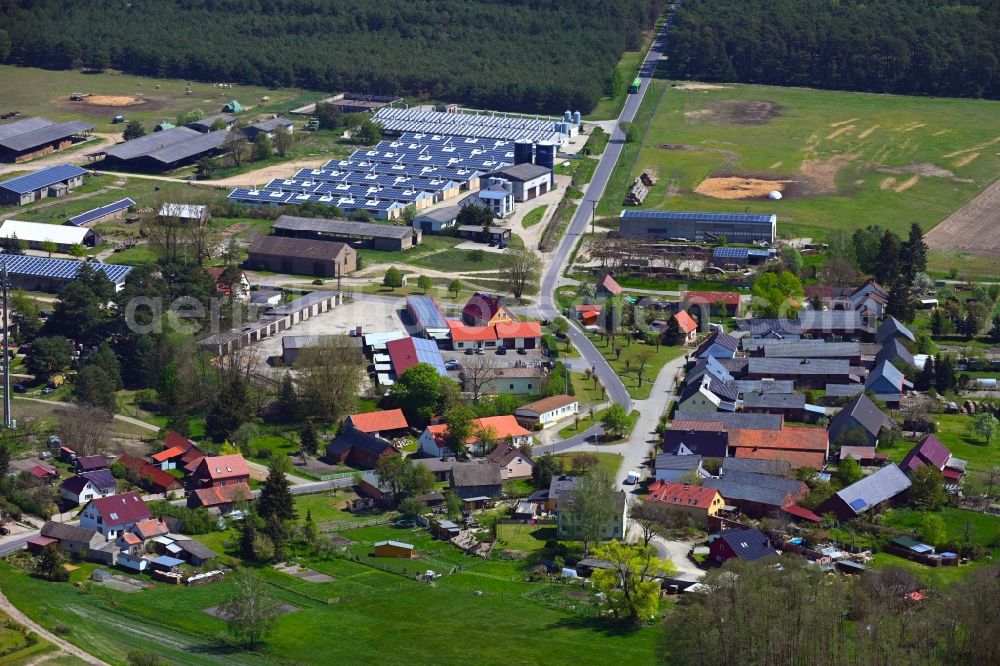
{"points": [[731, 253], [744, 218], [58, 268], [469, 125], [42, 178], [427, 312], [97, 213]]}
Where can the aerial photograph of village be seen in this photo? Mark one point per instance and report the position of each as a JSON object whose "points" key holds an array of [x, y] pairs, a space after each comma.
{"points": [[500, 332]]}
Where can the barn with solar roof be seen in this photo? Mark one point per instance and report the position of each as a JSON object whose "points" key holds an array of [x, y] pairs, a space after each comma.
{"points": [[698, 227]]}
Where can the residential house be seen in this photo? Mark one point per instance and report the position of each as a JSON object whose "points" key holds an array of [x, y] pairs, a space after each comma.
{"points": [[708, 395], [220, 498], [710, 365], [930, 451], [84, 487], [671, 468], [718, 345], [747, 544], [357, 448], [758, 495], [559, 485], [799, 446], [872, 493], [790, 405], [77, 541], [566, 522], [859, 423], [433, 440], [812, 349], [772, 329], [514, 464], [547, 411], [519, 335], [439, 467], [214, 471], [150, 477], [887, 383], [515, 381], [486, 310], [472, 337], [114, 515], [384, 423], [687, 326], [805, 372], [607, 286], [238, 288], [89, 463], [893, 328], [711, 301], [698, 503], [894, 351], [476, 479], [43, 474], [870, 301]]}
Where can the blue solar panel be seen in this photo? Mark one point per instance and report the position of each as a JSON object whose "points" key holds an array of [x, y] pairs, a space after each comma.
{"points": [[858, 504], [428, 352], [730, 253], [736, 218], [427, 312], [96, 213], [57, 268], [42, 178]]}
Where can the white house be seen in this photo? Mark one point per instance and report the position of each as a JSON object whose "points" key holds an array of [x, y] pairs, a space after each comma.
{"points": [[114, 515], [433, 440], [86, 486], [547, 411], [708, 394], [498, 196]]}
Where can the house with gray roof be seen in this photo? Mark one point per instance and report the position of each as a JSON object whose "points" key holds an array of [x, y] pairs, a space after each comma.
{"points": [[835, 325], [790, 405], [757, 495], [708, 395], [672, 468], [872, 493], [851, 351], [772, 329], [733, 420], [476, 479], [719, 345], [895, 352], [709, 365], [893, 328], [745, 386], [755, 466], [860, 416], [805, 372], [887, 383]]}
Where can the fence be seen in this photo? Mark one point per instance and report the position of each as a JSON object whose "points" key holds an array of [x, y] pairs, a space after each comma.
{"points": [[330, 476], [340, 525]]}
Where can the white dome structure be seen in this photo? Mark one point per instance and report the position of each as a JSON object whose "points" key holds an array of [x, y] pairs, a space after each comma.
{"points": [[774, 195]]}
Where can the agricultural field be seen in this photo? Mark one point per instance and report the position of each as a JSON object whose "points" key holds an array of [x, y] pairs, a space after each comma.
{"points": [[40, 92], [954, 432], [841, 161]]}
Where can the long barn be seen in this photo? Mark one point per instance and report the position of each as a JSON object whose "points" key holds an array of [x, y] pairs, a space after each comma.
{"points": [[698, 227]]}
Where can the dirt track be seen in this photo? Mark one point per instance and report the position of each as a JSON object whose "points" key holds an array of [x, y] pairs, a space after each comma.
{"points": [[973, 228], [263, 176]]}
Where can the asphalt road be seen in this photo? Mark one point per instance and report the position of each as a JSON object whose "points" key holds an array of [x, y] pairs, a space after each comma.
{"points": [[547, 306]]}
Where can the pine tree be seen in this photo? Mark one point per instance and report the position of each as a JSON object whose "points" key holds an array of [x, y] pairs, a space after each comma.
{"points": [[937, 322], [288, 399], [901, 305], [672, 334], [308, 438], [925, 380], [887, 269], [914, 254], [275, 501], [309, 532]]}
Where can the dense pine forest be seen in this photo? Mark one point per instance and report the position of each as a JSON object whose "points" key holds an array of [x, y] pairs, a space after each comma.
{"points": [[921, 47], [525, 55]]}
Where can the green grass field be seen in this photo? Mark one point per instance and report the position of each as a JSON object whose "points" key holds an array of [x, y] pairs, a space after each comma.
{"points": [[834, 147], [628, 356], [38, 92], [953, 431]]}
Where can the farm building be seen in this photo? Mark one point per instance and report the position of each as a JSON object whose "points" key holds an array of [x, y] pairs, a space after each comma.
{"points": [[860, 422], [515, 381], [494, 235], [384, 423], [292, 346], [161, 151], [51, 275], [302, 257], [698, 227], [24, 140], [38, 234], [527, 180], [723, 257], [54, 181], [112, 211], [407, 352], [358, 449], [205, 125], [712, 301], [437, 220], [805, 372], [427, 315], [872, 493], [268, 127], [481, 126], [275, 321], [358, 234], [393, 549], [183, 211]]}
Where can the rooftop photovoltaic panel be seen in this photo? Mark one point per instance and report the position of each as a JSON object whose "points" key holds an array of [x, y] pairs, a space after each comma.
{"points": [[485, 126], [84, 218], [42, 178], [427, 312], [731, 252], [58, 268], [744, 218]]}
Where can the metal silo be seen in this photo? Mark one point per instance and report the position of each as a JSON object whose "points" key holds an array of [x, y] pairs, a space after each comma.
{"points": [[568, 116], [545, 154], [522, 151], [577, 118]]}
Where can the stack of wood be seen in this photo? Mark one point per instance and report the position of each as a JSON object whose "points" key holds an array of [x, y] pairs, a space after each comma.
{"points": [[648, 179], [636, 194]]}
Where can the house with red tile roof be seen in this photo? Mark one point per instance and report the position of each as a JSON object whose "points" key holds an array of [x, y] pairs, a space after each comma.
{"points": [[688, 327], [382, 423], [608, 286], [44, 474], [434, 440], [220, 498], [486, 310], [697, 502], [520, 335], [150, 477], [799, 446], [588, 313], [710, 300], [217, 471], [241, 286], [471, 337], [114, 515]]}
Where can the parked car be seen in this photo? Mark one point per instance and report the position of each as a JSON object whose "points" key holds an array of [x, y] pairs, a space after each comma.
{"points": [[501, 351], [20, 388], [522, 351], [480, 351], [470, 351], [47, 390]]}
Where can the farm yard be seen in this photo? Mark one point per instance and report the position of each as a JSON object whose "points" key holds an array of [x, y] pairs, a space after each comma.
{"points": [[841, 161]]}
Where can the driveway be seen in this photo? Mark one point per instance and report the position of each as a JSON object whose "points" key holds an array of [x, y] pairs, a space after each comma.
{"points": [[676, 552]]}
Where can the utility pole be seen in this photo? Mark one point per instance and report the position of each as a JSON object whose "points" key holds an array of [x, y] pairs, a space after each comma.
{"points": [[593, 215], [5, 286]]}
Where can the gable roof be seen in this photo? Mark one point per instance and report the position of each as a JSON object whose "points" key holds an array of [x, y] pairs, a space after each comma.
{"points": [[462, 333], [88, 463], [167, 454], [748, 544], [685, 322], [358, 439], [147, 529], [157, 478], [792, 438], [759, 365], [504, 454], [476, 473], [502, 426], [710, 297], [776, 328], [102, 479], [482, 306], [717, 338], [797, 511], [41, 178], [682, 494], [561, 483], [196, 548], [223, 467], [518, 329], [929, 451], [865, 413], [732, 420], [709, 365], [893, 349], [546, 404], [874, 489], [389, 419], [216, 495], [891, 328], [669, 461], [888, 372], [774, 400], [610, 285], [772, 467], [64, 532], [285, 246], [119, 509], [735, 491]]}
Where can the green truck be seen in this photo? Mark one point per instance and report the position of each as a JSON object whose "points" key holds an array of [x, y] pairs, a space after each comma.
{"points": [[634, 88]]}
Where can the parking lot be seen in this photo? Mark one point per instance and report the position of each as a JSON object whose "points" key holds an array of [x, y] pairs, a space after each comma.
{"points": [[509, 358]]}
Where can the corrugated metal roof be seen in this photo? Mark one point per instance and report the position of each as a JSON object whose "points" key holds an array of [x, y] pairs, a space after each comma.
{"points": [[58, 268], [39, 232], [44, 135]]}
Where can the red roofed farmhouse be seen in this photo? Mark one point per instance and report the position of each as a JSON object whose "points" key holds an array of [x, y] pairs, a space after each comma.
{"points": [[385, 423], [215, 471], [114, 515], [486, 310]]}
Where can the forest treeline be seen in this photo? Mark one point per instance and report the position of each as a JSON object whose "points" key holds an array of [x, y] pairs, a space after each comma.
{"points": [[919, 47], [525, 55]]}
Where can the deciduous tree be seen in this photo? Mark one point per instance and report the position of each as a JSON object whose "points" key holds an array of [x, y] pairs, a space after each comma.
{"points": [[519, 266], [251, 612], [631, 585]]}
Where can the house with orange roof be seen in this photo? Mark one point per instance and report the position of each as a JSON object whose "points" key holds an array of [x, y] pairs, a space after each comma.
{"points": [[215, 471], [799, 446], [174, 448], [486, 310], [149, 477], [220, 498], [472, 337], [696, 502], [688, 327], [519, 335], [588, 313], [385, 423], [608, 286], [239, 289], [433, 441]]}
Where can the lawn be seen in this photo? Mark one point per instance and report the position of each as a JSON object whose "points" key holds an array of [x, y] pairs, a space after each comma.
{"points": [[526, 538], [834, 146], [533, 216], [435, 253], [587, 391], [501, 615], [586, 422], [46, 93], [324, 508], [953, 431], [628, 356], [610, 462], [983, 528]]}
